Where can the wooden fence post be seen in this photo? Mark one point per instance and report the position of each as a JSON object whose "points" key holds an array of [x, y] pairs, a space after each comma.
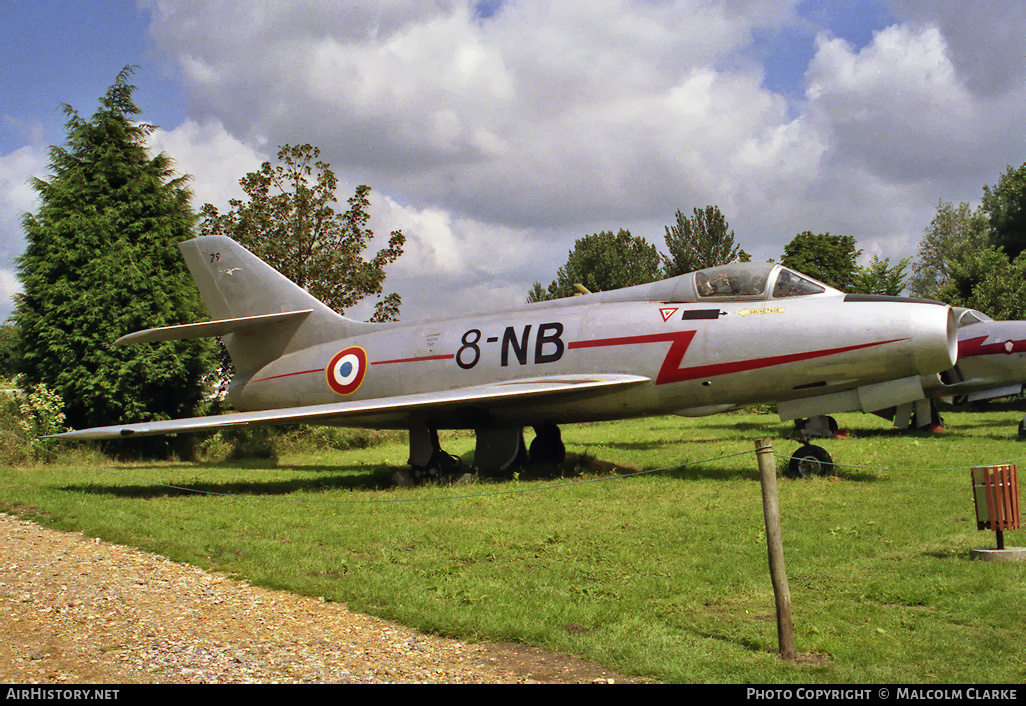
{"points": [[775, 545]]}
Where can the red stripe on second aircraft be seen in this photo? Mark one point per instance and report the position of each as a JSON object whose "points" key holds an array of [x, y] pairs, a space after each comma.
{"points": [[975, 346]]}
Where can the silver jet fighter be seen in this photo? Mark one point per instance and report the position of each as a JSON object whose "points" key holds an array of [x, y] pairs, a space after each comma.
{"points": [[697, 344], [991, 360], [991, 364]]}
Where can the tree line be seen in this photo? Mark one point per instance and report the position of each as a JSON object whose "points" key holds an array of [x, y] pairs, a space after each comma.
{"points": [[974, 258], [604, 261]]}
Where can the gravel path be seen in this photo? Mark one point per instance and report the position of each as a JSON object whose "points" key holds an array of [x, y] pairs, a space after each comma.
{"points": [[79, 610]]}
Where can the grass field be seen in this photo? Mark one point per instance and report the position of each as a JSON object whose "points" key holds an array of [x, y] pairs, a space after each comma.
{"points": [[661, 573]]}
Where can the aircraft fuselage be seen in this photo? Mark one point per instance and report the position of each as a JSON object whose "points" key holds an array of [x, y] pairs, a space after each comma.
{"points": [[696, 356]]}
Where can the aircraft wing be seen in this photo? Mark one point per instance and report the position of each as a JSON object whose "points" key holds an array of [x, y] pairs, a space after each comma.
{"points": [[542, 389]]}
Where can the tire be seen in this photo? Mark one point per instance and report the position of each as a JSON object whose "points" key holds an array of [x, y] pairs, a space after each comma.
{"points": [[1022, 429], [547, 446], [810, 461]]}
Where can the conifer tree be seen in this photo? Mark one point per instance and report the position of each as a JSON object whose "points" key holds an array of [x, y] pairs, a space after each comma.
{"points": [[102, 261]]}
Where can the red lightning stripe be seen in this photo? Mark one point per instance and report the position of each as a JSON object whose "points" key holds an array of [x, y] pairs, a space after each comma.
{"points": [[672, 372]]}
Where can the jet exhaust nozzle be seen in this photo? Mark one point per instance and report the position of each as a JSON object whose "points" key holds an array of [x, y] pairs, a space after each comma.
{"points": [[934, 333]]}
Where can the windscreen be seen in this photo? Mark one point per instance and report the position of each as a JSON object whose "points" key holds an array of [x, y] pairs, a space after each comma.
{"points": [[792, 284]]}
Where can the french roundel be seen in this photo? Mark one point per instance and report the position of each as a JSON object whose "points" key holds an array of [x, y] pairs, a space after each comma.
{"points": [[346, 370]]}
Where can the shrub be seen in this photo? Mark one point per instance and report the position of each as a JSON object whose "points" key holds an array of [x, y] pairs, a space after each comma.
{"points": [[40, 412]]}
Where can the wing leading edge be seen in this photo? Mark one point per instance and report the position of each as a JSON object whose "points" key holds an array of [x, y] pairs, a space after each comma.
{"points": [[547, 389]]}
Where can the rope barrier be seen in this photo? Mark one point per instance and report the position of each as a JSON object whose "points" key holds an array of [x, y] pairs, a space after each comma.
{"points": [[835, 464], [465, 496]]}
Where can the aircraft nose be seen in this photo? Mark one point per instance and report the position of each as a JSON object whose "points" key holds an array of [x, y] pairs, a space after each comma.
{"points": [[934, 338]]}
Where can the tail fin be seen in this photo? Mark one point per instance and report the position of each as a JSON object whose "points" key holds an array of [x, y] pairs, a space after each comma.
{"points": [[236, 284]]}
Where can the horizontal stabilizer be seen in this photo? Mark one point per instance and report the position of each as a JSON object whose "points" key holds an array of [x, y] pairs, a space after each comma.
{"points": [[371, 412], [219, 327]]}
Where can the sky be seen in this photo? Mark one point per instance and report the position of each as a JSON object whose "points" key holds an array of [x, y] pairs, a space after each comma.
{"points": [[495, 133]]}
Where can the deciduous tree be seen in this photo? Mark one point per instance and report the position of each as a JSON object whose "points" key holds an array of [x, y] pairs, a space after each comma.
{"points": [[955, 232], [601, 262], [288, 220], [986, 280], [1005, 206], [10, 350], [829, 258], [879, 277]]}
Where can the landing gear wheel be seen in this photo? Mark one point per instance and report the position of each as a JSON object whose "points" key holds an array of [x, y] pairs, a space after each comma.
{"points": [[810, 461], [547, 446], [1022, 429], [498, 450], [427, 459], [442, 465]]}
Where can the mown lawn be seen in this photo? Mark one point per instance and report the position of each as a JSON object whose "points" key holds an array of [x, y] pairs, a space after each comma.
{"points": [[649, 557]]}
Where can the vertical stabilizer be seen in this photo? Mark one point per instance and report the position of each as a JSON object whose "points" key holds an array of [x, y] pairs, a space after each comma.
{"points": [[235, 283]]}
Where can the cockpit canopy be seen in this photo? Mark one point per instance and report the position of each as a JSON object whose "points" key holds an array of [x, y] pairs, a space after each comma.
{"points": [[737, 281], [742, 280]]}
